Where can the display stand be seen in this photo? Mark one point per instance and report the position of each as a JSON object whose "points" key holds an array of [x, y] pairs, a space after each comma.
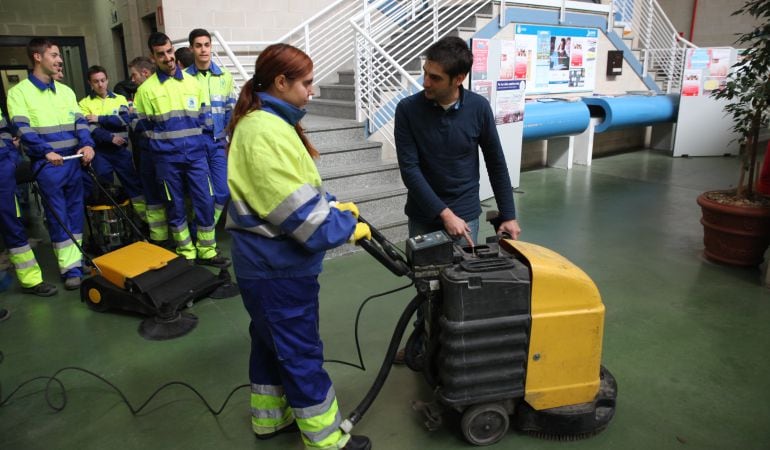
{"points": [[703, 127], [493, 76]]}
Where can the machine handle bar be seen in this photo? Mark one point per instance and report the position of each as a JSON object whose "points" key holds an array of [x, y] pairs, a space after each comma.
{"points": [[383, 251]]}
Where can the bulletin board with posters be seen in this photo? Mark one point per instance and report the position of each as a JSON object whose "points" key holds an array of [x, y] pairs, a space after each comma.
{"points": [[492, 77], [555, 59], [702, 127]]}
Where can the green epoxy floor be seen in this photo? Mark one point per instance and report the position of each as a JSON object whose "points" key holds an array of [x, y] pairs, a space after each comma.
{"points": [[687, 340]]}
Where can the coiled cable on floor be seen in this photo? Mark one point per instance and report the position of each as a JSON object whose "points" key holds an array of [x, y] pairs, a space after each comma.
{"points": [[54, 380]]}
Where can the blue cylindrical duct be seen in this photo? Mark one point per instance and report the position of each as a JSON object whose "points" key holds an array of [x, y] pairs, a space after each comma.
{"points": [[632, 110], [554, 118]]}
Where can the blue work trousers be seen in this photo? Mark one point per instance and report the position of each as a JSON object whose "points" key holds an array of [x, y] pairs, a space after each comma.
{"points": [[286, 347], [109, 163], [62, 186], [11, 226], [215, 153]]}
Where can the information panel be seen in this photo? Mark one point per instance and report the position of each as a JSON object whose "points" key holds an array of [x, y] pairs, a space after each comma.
{"points": [[555, 59], [493, 77]]}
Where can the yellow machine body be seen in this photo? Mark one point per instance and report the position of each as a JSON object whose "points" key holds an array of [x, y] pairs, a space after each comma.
{"points": [[565, 344], [132, 261]]}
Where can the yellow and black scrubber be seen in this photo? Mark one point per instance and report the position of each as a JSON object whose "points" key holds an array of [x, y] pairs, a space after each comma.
{"points": [[510, 333]]}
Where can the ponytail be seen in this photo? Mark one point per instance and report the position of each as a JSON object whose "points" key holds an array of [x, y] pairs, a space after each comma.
{"points": [[248, 101]]}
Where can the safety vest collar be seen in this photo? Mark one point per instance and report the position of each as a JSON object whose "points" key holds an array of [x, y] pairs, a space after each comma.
{"points": [[213, 68], [286, 111], [42, 86], [94, 95], [163, 76]]}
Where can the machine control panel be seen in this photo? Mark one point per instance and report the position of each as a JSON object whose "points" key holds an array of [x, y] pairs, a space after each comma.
{"points": [[429, 249]]}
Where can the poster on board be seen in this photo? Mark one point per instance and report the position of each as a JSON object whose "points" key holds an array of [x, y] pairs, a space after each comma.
{"points": [[556, 59], [702, 128], [498, 76]]}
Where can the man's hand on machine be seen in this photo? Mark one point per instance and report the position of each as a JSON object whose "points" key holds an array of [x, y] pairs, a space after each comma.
{"points": [[346, 206], [511, 227], [455, 226], [362, 231]]}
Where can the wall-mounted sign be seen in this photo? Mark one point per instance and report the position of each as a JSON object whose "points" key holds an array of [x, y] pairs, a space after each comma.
{"points": [[556, 59]]}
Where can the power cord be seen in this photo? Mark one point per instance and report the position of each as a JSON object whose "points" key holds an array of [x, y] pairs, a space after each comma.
{"points": [[360, 364], [54, 379]]}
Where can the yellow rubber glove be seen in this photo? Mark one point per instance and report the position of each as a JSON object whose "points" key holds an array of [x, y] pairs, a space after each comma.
{"points": [[362, 231], [347, 206]]}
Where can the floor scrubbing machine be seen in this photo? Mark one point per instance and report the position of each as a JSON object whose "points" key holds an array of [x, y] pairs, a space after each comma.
{"points": [[135, 276], [509, 332]]}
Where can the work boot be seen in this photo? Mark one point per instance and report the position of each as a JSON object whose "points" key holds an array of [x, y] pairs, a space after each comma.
{"points": [[41, 289], [4, 314], [72, 283], [358, 443], [292, 427], [218, 261]]}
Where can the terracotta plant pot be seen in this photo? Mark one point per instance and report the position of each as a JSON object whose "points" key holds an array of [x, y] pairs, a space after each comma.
{"points": [[735, 235]]}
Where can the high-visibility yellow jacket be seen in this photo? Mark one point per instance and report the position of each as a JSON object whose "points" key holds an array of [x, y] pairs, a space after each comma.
{"points": [[48, 118], [218, 93], [279, 216], [169, 114], [112, 112]]}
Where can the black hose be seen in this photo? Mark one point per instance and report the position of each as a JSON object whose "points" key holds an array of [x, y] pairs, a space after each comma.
{"points": [[382, 375]]}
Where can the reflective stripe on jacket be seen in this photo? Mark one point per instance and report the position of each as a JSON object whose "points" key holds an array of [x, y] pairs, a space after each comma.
{"points": [[279, 215], [48, 118], [168, 112], [218, 93]]}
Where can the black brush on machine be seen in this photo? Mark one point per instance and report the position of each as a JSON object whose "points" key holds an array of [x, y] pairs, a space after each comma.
{"points": [[143, 278]]}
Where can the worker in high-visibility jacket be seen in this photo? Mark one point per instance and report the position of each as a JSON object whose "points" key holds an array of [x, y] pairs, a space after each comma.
{"points": [[21, 255], [51, 127], [107, 115], [140, 69], [217, 87], [282, 222], [169, 113]]}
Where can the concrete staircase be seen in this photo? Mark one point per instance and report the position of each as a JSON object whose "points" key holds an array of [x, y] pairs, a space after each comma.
{"points": [[353, 169]]}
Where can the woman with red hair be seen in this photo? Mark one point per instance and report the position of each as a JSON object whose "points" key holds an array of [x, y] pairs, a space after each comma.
{"points": [[282, 222]]}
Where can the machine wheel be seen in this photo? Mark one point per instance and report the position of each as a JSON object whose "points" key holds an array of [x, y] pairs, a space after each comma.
{"points": [[484, 424]]}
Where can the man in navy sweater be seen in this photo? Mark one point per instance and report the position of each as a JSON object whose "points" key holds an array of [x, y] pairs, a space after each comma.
{"points": [[438, 132]]}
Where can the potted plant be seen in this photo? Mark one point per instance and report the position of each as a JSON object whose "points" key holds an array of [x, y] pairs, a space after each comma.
{"points": [[737, 222]]}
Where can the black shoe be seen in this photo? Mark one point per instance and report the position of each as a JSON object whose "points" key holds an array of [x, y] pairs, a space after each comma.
{"points": [[218, 261], [358, 443], [72, 283], [41, 290], [4, 314], [292, 427]]}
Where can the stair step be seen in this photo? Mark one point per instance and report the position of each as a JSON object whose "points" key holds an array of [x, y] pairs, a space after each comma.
{"points": [[346, 77], [328, 131], [332, 108], [344, 153], [345, 92], [364, 176], [380, 204]]}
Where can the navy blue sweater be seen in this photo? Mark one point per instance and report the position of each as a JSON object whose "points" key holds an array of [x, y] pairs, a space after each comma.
{"points": [[439, 159]]}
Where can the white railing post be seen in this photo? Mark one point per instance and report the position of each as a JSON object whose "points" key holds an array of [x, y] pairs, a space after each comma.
{"points": [[231, 55], [307, 40], [502, 13], [672, 65], [563, 11], [369, 60], [435, 20]]}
